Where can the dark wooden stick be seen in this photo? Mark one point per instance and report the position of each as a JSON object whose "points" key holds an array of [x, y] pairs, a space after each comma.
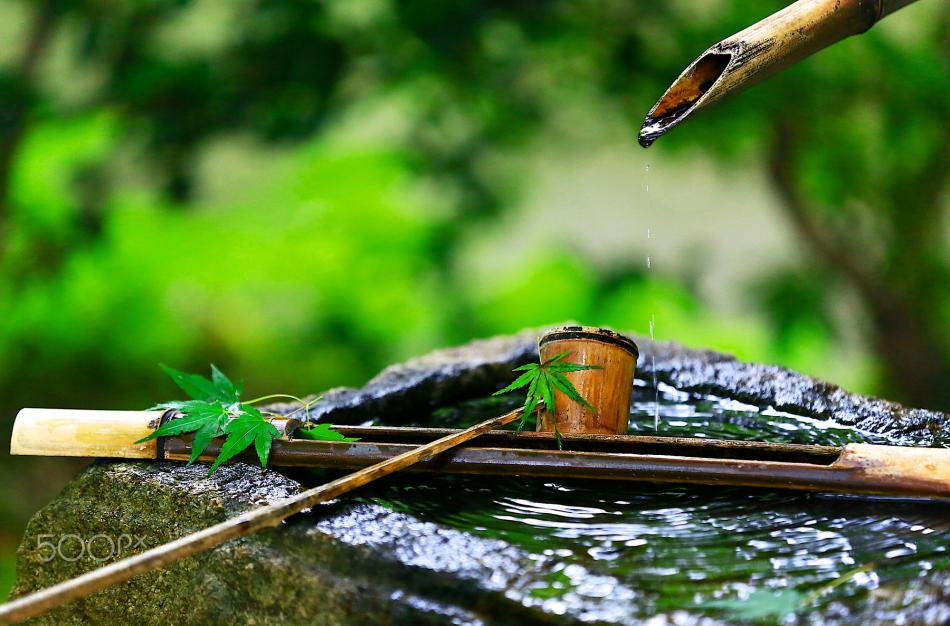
{"points": [[41, 601]]}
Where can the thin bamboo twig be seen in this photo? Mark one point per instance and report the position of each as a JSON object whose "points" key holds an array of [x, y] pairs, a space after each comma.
{"points": [[41, 601]]}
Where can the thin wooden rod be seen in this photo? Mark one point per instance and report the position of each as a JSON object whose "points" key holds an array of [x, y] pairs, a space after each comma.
{"points": [[41, 601]]}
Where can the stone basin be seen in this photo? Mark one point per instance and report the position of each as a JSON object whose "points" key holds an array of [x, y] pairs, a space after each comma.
{"points": [[364, 559]]}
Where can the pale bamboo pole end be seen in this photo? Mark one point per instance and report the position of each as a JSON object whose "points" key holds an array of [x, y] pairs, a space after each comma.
{"points": [[68, 432], [910, 470]]}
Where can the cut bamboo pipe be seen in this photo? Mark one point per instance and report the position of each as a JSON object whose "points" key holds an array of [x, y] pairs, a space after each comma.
{"points": [[778, 41], [75, 432], [93, 433], [41, 601], [854, 468]]}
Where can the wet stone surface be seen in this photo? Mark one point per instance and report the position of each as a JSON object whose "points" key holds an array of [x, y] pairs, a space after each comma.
{"points": [[467, 550]]}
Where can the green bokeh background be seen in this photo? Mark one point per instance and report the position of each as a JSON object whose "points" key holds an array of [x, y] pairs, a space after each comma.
{"points": [[299, 192]]}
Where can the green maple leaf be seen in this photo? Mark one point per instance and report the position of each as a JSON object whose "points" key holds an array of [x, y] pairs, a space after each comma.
{"points": [[206, 419], [204, 435], [560, 381], [531, 400], [195, 414], [322, 432], [542, 380], [249, 427], [216, 410], [218, 387], [224, 386]]}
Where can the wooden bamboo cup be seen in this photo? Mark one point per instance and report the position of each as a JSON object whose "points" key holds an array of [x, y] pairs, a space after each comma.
{"points": [[607, 389]]}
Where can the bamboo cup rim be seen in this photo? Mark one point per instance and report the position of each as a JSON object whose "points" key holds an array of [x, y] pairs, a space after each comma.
{"points": [[604, 335]]}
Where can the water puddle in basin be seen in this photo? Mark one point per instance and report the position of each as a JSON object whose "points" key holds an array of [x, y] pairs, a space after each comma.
{"points": [[747, 554]]}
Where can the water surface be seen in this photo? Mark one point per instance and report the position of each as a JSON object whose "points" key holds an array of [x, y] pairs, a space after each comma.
{"points": [[758, 555]]}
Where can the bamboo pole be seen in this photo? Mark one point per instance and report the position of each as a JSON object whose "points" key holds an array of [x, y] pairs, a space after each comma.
{"points": [[916, 472], [85, 433], [766, 47], [41, 601], [99, 434], [867, 469]]}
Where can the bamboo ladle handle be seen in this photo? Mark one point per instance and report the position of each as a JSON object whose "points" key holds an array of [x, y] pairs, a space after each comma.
{"points": [[43, 600]]}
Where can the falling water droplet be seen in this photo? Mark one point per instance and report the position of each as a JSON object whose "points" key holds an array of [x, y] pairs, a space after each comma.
{"points": [[647, 168], [656, 388], [656, 396], [648, 261], [649, 233]]}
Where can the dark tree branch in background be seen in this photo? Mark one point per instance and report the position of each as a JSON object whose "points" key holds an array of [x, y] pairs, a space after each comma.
{"points": [[931, 182], [782, 154], [912, 349], [14, 127], [918, 230]]}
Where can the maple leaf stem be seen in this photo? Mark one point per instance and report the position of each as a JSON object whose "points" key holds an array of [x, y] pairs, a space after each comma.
{"points": [[274, 396]]}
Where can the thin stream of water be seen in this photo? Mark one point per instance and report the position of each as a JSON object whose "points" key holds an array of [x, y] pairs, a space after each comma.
{"points": [[656, 388], [656, 416]]}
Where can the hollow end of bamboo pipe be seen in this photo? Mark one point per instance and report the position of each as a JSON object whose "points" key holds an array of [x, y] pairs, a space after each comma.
{"points": [[768, 46], [688, 93], [102, 434]]}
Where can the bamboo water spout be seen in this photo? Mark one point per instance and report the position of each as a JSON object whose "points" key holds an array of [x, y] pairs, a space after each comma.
{"points": [[778, 41]]}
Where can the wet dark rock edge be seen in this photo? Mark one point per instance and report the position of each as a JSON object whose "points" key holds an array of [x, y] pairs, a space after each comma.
{"points": [[476, 369], [333, 582]]}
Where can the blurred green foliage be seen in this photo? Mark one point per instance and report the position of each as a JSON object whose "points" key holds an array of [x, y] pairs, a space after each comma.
{"points": [[343, 254]]}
